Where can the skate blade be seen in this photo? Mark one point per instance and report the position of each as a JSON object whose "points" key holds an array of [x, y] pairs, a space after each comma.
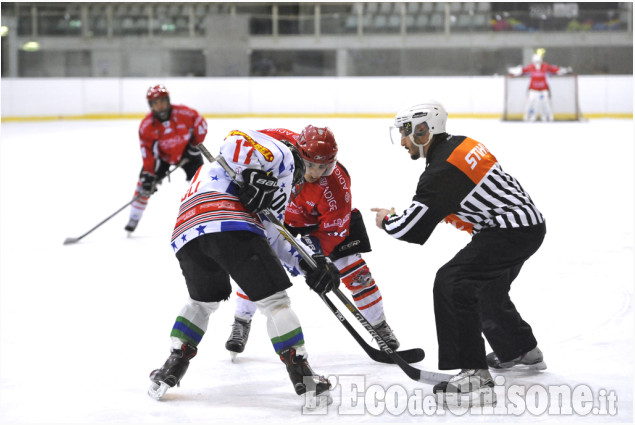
{"points": [[313, 401], [234, 356], [522, 368], [482, 397], [157, 391]]}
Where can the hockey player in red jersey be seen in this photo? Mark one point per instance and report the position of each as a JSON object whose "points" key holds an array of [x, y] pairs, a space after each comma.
{"points": [[538, 95], [219, 235], [321, 212], [168, 135], [463, 184]]}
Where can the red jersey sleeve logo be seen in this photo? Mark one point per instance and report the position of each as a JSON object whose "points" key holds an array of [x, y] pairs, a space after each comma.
{"points": [[473, 159]]}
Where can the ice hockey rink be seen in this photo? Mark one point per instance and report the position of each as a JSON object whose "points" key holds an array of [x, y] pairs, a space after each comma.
{"points": [[82, 326]]}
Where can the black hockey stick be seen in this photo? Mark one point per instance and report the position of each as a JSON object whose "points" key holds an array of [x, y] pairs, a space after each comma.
{"points": [[69, 241], [386, 355], [413, 355], [396, 357]]}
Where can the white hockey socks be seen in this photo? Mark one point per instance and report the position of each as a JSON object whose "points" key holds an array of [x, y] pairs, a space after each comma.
{"points": [[191, 323], [283, 326], [245, 308], [139, 205]]}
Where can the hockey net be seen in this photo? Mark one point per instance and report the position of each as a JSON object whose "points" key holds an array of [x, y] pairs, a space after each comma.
{"points": [[564, 97]]}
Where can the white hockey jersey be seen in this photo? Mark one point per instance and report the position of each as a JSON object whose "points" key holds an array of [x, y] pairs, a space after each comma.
{"points": [[211, 203]]}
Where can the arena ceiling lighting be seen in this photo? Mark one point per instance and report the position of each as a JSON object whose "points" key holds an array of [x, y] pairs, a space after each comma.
{"points": [[31, 46]]}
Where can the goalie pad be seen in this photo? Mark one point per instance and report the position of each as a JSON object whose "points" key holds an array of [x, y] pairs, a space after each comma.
{"points": [[538, 103]]}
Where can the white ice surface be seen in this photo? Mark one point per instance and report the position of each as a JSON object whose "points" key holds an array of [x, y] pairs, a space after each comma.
{"points": [[82, 325]]}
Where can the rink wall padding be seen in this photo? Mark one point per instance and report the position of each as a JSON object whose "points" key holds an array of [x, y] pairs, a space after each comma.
{"points": [[320, 97]]}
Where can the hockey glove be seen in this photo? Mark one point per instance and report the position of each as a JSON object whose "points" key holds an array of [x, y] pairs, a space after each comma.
{"points": [[257, 192], [325, 278], [148, 183], [191, 153]]}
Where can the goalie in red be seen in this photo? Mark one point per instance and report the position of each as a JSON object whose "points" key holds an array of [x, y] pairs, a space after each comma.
{"points": [[539, 95]]}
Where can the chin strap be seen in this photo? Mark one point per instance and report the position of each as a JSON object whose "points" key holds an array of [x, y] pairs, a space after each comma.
{"points": [[412, 139]]}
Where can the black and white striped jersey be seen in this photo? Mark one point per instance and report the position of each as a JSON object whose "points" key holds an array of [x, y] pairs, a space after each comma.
{"points": [[464, 185]]}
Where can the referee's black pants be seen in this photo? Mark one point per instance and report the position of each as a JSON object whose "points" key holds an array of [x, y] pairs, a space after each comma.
{"points": [[471, 297]]}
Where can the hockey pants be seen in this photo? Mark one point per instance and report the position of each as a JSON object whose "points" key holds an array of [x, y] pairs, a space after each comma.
{"points": [[471, 297]]}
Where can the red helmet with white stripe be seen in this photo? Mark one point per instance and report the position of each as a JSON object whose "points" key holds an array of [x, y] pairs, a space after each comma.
{"points": [[156, 92], [159, 91]]}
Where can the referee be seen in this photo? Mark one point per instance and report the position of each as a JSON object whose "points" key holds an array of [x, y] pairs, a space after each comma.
{"points": [[464, 185]]}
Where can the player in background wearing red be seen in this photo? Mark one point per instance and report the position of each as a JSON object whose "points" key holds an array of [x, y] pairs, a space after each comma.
{"points": [[464, 185], [167, 135], [538, 95], [321, 213]]}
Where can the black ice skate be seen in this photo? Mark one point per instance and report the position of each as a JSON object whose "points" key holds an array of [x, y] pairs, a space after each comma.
{"points": [[131, 226], [298, 368], [531, 360], [387, 334], [172, 371], [470, 387], [238, 337]]}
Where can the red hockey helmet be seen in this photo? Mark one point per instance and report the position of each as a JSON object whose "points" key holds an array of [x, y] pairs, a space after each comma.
{"points": [[317, 145], [156, 92]]}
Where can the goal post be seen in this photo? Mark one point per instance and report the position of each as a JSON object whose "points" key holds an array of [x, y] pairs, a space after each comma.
{"points": [[564, 97]]}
